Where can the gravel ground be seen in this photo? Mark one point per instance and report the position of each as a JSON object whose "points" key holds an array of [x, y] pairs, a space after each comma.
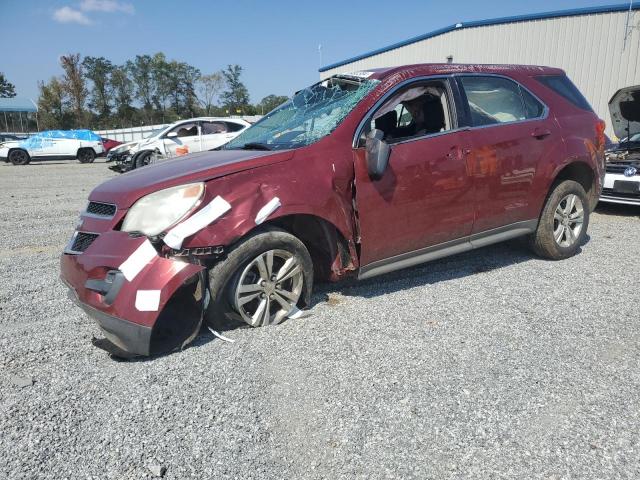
{"points": [[491, 364]]}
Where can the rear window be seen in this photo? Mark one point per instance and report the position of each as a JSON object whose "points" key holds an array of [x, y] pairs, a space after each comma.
{"points": [[565, 87]]}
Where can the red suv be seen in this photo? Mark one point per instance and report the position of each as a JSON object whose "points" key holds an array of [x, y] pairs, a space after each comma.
{"points": [[361, 174]]}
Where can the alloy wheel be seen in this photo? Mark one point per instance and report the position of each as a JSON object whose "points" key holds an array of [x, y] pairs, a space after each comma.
{"points": [[567, 220], [269, 288]]}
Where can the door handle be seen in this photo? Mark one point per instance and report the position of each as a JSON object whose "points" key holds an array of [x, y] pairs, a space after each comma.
{"points": [[541, 133], [457, 152]]}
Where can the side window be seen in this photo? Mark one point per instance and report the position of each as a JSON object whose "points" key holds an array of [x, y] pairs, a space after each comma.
{"points": [[234, 127], [211, 128], [533, 108], [415, 111], [493, 100], [186, 130]]}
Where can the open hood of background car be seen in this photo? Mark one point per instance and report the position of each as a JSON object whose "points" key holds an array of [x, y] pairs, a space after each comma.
{"points": [[624, 107]]}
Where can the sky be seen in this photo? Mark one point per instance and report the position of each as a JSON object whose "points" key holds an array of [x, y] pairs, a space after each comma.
{"points": [[275, 41]]}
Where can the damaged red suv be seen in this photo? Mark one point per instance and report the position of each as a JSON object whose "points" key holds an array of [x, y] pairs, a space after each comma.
{"points": [[360, 174]]}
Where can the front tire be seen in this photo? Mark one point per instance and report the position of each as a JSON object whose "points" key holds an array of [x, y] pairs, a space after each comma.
{"points": [[19, 157], [563, 224], [142, 159], [86, 155], [263, 280]]}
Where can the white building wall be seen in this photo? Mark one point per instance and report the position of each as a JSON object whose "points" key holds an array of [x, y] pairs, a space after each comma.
{"points": [[588, 47]]}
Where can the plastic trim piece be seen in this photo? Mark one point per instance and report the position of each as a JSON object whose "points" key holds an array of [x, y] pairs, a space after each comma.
{"points": [[452, 247]]}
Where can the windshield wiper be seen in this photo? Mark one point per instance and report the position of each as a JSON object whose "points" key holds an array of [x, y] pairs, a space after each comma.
{"points": [[255, 146]]}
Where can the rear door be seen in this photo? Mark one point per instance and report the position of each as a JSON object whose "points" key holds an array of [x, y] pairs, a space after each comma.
{"points": [[425, 197], [214, 134], [510, 133]]}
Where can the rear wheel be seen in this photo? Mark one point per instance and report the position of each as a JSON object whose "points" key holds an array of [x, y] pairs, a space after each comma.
{"points": [[263, 280], [563, 223], [19, 157], [86, 155]]}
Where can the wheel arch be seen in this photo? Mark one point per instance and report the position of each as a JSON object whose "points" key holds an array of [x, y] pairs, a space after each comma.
{"points": [[13, 149], [328, 247], [85, 148], [578, 170]]}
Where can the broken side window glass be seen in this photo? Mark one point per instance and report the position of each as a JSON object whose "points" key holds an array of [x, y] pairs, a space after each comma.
{"points": [[311, 114]]}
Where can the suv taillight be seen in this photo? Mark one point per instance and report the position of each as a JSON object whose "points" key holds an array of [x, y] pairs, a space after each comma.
{"points": [[600, 138]]}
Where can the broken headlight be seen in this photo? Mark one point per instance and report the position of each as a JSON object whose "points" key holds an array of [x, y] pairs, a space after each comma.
{"points": [[158, 211]]}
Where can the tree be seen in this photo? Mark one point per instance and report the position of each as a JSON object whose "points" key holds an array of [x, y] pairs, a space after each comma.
{"points": [[180, 79], [52, 105], [162, 84], [141, 71], [209, 87], [123, 92], [270, 102], [98, 70], [75, 86], [7, 89], [189, 76], [236, 97]]}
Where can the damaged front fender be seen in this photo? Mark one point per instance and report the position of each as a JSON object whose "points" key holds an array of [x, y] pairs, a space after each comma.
{"points": [[270, 194]]}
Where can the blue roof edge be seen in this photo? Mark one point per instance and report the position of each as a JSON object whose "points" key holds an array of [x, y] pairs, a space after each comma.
{"points": [[620, 7]]}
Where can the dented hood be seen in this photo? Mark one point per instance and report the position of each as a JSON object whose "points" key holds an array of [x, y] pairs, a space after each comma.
{"points": [[125, 189], [624, 107]]}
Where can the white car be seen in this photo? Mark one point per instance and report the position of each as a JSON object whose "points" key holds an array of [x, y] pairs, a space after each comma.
{"points": [[185, 136], [622, 179], [53, 145]]}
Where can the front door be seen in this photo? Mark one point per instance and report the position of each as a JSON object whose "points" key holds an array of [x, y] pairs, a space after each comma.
{"points": [[425, 197], [186, 141]]}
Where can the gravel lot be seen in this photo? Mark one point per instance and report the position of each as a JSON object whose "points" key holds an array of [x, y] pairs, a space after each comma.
{"points": [[491, 364]]}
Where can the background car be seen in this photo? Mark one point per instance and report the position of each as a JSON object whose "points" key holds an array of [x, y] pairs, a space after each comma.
{"points": [[108, 144], [185, 136], [54, 145], [622, 179], [7, 137]]}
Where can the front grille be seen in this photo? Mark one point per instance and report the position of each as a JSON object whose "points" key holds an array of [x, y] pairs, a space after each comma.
{"points": [[101, 209], [82, 241], [620, 168]]}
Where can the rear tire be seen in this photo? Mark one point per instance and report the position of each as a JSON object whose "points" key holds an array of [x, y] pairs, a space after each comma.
{"points": [[276, 299], [563, 223], [19, 157], [86, 155]]}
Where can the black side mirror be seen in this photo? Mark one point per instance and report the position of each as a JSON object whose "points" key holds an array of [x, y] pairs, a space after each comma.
{"points": [[377, 154]]}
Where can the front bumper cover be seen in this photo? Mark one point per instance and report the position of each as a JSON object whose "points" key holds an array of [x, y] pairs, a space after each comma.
{"points": [[611, 194], [98, 287]]}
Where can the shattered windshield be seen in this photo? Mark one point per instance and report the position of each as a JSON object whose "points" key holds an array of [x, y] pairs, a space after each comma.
{"points": [[311, 114]]}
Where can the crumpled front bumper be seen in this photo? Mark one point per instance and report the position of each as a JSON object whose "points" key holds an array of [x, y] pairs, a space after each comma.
{"points": [[122, 162], [127, 320]]}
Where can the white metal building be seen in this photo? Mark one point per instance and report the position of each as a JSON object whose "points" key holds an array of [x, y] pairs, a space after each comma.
{"points": [[598, 47]]}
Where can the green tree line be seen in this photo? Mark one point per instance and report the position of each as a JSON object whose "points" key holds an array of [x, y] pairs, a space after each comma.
{"points": [[95, 93]]}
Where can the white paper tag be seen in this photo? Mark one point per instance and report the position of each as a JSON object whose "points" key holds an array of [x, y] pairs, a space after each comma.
{"points": [[147, 300], [360, 74], [267, 210], [296, 313], [203, 217], [138, 260]]}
